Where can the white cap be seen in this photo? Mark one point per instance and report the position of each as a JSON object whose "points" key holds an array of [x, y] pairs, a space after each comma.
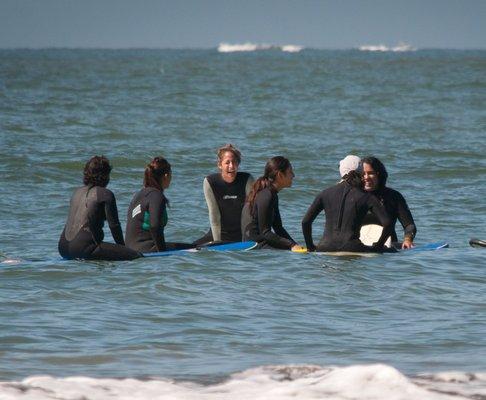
{"points": [[349, 163]]}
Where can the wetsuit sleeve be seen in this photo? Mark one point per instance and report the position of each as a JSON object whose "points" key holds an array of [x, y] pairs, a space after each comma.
{"points": [[156, 205], [280, 239], [249, 185], [213, 209], [279, 229], [312, 212], [405, 218], [380, 212], [111, 213]]}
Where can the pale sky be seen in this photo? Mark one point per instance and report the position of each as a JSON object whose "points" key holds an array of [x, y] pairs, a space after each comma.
{"points": [[204, 24]]}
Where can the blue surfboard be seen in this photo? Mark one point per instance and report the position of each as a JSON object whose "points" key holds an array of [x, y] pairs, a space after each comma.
{"points": [[237, 246], [428, 247], [243, 246]]}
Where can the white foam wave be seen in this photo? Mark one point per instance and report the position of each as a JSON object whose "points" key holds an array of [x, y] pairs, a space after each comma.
{"points": [[231, 48], [401, 47], [304, 382], [11, 261], [291, 48]]}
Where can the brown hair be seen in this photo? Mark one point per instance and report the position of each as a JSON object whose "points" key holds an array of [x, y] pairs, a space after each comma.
{"points": [[97, 171], [154, 171], [272, 168], [232, 149]]}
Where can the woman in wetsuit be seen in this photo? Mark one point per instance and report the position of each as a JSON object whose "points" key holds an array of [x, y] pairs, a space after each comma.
{"points": [[374, 180], [261, 214], [147, 213], [345, 206], [225, 194], [90, 206]]}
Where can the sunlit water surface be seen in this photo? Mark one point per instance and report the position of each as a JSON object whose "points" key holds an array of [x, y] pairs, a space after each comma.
{"points": [[390, 326]]}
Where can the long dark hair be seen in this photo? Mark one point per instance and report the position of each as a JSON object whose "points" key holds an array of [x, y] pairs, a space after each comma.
{"points": [[354, 178], [272, 168], [154, 171], [97, 171], [380, 170]]}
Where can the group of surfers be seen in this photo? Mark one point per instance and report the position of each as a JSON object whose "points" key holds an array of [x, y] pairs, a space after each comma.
{"points": [[240, 209]]}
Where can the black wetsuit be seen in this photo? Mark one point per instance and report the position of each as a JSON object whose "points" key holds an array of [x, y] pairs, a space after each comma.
{"points": [[83, 235], [266, 216], [396, 208], [345, 208], [225, 202], [146, 220]]}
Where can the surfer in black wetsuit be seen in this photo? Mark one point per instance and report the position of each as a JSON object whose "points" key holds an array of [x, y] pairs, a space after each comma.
{"points": [[261, 213], [147, 213], [345, 206], [90, 206], [374, 179], [225, 194]]}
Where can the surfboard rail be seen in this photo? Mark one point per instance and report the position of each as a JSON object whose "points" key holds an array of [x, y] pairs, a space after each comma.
{"points": [[235, 246]]}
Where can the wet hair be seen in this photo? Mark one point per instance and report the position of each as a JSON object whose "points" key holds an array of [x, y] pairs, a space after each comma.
{"points": [[272, 168], [97, 171], [154, 171], [354, 178], [232, 149], [379, 168]]}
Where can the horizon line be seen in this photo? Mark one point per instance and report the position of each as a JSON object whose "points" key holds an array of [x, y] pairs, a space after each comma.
{"points": [[216, 47]]}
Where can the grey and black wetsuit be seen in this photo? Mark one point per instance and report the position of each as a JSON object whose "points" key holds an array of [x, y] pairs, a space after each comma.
{"points": [[83, 235], [345, 208], [225, 202], [146, 220], [396, 208], [266, 215]]}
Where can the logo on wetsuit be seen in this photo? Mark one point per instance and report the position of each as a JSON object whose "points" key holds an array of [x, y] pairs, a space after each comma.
{"points": [[228, 197], [137, 210]]}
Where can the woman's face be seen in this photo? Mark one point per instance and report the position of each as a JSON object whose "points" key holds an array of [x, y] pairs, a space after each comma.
{"points": [[166, 179], [284, 179], [228, 165], [370, 178]]}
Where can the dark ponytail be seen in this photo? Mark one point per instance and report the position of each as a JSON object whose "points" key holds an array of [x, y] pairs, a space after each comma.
{"points": [[154, 171], [272, 168]]}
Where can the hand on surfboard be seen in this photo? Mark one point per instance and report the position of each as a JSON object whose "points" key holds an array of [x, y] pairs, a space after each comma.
{"points": [[407, 244]]}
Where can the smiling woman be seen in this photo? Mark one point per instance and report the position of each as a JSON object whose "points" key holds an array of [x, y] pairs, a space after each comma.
{"points": [[375, 176], [225, 194]]}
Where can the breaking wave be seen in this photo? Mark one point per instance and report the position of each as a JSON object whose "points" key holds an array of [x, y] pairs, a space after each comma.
{"points": [[304, 382], [231, 48], [400, 47]]}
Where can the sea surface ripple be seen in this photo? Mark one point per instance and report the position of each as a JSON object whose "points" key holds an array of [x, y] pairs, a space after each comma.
{"points": [[204, 317]]}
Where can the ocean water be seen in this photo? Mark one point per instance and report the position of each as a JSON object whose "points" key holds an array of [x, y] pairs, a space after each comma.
{"points": [[263, 324]]}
